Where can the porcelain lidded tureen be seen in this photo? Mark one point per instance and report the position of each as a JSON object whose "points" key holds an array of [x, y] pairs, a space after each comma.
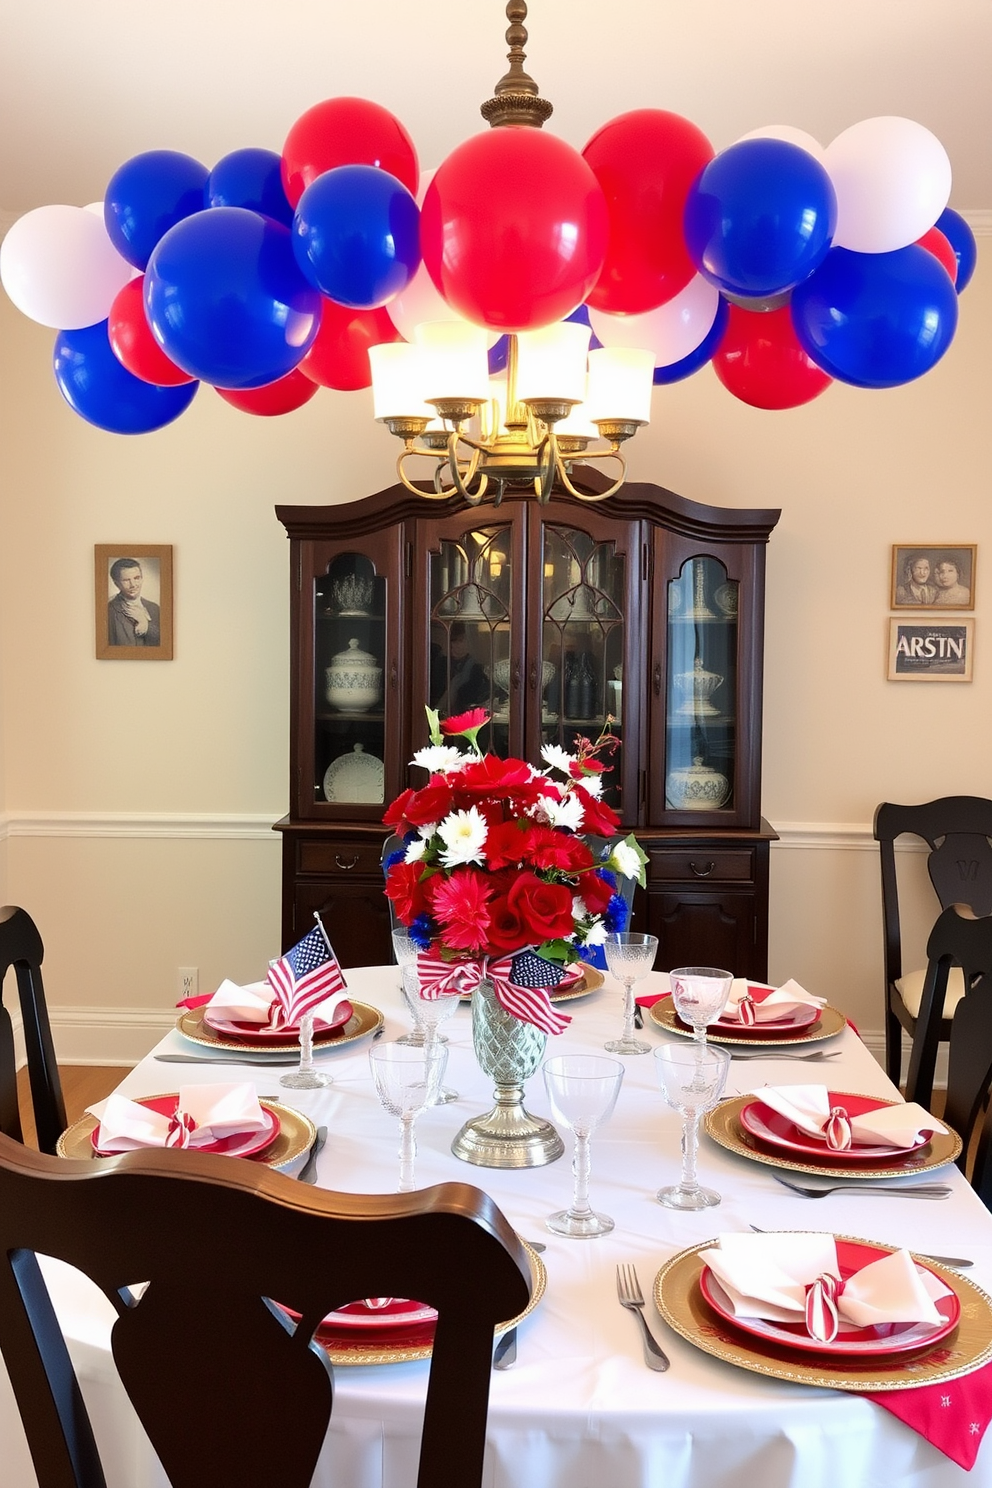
{"points": [[353, 680]]}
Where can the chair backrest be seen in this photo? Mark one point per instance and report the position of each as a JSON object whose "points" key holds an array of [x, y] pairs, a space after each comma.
{"points": [[219, 1243], [956, 940], [958, 830], [21, 948]]}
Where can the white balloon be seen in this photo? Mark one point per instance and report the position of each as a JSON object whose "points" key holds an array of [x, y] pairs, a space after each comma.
{"points": [[790, 134], [892, 178], [60, 268], [670, 332]]}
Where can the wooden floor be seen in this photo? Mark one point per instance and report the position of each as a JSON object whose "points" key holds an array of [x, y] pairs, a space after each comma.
{"points": [[81, 1086]]}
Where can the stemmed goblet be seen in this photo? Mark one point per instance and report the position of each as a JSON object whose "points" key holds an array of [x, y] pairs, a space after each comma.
{"points": [[583, 1090], [406, 951], [692, 1077], [407, 1080], [700, 995], [629, 957], [306, 1076]]}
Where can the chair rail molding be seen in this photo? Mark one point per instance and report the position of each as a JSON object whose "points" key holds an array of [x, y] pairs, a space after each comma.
{"points": [[207, 826]]}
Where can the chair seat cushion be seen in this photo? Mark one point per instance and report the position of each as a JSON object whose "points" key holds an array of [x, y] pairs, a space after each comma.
{"points": [[910, 989]]}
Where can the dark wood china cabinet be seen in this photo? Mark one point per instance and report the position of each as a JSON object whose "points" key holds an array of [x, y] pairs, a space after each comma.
{"points": [[645, 606]]}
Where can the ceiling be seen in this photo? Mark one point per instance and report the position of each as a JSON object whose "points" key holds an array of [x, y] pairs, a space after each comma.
{"points": [[84, 86]]}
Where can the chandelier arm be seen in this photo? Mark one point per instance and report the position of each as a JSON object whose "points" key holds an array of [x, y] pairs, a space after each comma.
{"points": [[545, 480], [434, 495], [563, 475], [462, 483]]}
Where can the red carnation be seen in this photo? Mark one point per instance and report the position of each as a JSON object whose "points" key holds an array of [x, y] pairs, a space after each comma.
{"points": [[547, 848], [597, 817], [491, 776], [544, 908], [507, 844], [595, 892], [462, 723], [394, 815], [431, 804], [405, 889], [460, 905]]}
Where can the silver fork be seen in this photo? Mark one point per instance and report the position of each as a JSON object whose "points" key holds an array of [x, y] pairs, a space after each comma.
{"points": [[916, 1191], [630, 1295], [818, 1055]]}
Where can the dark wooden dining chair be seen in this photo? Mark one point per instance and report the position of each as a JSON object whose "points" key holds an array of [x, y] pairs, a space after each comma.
{"points": [[219, 1242], [958, 831], [962, 941], [21, 948]]}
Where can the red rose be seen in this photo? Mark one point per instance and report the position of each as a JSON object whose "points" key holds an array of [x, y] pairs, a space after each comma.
{"points": [[430, 804], [547, 848], [507, 931], [394, 814], [405, 889], [544, 908], [597, 817], [460, 905]]}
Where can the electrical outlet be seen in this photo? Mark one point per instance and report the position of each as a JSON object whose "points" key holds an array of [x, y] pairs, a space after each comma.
{"points": [[188, 981]]}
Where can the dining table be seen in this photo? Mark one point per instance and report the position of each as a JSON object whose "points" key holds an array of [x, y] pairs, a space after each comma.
{"points": [[579, 1408]]}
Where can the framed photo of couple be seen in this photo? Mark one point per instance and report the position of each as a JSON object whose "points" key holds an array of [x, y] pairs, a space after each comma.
{"points": [[133, 590], [933, 576]]}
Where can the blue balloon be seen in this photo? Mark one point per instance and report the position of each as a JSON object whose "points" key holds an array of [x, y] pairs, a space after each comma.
{"points": [[876, 320], [253, 179], [675, 371], [760, 217], [498, 355], [356, 236], [581, 315], [147, 195], [96, 386], [226, 301], [962, 240]]}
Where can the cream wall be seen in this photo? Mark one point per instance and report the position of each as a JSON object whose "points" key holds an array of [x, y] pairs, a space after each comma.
{"points": [[137, 798]]}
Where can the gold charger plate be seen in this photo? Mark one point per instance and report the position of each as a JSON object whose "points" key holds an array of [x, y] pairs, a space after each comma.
{"points": [[406, 1353], [829, 1023], [293, 1138], [723, 1125], [680, 1301], [592, 980], [364, 1020]]}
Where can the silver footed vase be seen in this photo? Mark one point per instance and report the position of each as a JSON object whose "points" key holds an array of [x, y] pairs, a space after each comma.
{"points": [[509, 1052]]}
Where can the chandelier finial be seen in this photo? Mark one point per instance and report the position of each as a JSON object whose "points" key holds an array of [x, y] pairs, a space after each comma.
{"points": [[516, 99]]}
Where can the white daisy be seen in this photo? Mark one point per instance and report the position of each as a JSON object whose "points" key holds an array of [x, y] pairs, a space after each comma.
{"points": [[440, 759], [415, 850], [464, 836], [556, 757]]}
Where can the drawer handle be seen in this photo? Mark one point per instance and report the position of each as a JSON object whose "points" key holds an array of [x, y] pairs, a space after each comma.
{"points": [[342, 864], [701, 872]]}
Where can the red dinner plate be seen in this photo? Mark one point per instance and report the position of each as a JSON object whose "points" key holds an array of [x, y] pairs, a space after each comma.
{"points": [[397, 1323], [774, 1129], [794, 1022], [859, 1343], [239, 1144], [255, 1033]]}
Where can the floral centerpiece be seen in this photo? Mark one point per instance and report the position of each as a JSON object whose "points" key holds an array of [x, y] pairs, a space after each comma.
{"points": [[495, 879]]}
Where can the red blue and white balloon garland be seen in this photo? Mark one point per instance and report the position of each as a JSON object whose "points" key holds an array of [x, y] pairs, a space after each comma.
{"points": [[786, 264]]}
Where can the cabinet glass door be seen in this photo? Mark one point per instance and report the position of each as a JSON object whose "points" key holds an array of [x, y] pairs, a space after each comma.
{"points": [[472, 660], [701, 700], [582, 641], [350, 715]]}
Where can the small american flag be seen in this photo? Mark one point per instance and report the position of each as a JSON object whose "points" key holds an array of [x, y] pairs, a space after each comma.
{"points": [[305, 976]]}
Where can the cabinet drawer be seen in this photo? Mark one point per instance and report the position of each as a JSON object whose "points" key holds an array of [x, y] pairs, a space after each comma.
{"points": [[689, 865], [354, 859]]}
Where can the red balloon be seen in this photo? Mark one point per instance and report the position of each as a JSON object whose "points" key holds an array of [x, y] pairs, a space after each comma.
{"points": [[281, 396], [936, 243], [339, 356], [645, 162], [514, 229], [346, 131], [761, 361], [132, 341]]}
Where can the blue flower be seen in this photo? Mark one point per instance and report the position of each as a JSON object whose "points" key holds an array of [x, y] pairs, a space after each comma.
{"points": [[420, 931], [608, 876], [616, 914], [395, 857]]}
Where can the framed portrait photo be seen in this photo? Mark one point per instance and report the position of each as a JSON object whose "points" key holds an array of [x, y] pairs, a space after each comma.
{"points": [[933, 576], [133, 589], [930, 649]]}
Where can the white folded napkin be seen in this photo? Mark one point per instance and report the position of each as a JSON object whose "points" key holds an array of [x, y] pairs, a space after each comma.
{"points": [[256, 1003], [212, 1110], [767, 1276], [808, 1107], [768, 1002]]}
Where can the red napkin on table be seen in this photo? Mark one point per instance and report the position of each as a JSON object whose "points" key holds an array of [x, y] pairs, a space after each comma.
{"points": [[952, 1417]]}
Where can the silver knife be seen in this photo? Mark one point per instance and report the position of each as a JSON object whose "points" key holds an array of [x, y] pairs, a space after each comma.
{"points": [[265, 1062], [506, 1350], [308, 1173]]}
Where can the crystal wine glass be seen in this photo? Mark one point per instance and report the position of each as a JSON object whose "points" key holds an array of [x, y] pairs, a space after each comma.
{"points": [[430, 1013], [629, 957], [700, 995], [583, 1090], [407, 1080], [692, 1077], [405, 950], [306, 1076]]}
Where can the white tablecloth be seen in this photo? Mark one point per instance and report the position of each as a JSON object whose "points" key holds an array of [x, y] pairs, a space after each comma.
{"points": [[579, 1409]]}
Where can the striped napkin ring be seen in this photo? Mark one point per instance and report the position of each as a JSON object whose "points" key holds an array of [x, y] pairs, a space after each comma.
{"points": [[822, 1316], [838, 1130], [746, 1011], [181, 1128]]}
